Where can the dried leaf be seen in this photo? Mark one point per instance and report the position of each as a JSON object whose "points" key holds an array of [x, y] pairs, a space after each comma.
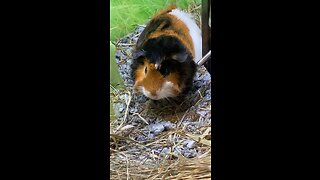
{"points": [[126, 127], [199, 139]]}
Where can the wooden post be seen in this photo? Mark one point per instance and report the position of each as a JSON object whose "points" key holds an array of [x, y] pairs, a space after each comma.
{"points": [[206, 32]]}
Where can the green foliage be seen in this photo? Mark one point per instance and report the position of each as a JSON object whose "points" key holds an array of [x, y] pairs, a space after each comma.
{"points": [[125, 14], [115, 78]]}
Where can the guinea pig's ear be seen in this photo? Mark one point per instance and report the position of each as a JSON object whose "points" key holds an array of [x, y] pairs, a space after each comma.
{"points": [[139, 53], [180, 57]]}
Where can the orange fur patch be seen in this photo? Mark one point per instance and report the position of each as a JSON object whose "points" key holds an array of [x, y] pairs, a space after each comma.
{"points": [[176, 26], [154, 80]]}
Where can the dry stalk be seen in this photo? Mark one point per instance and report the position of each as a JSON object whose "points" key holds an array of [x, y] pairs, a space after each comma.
{"points": [[126, 112], [144, 120]]}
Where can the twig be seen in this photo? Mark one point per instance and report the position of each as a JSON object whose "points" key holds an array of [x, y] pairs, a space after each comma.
{"points": [[206, 109], [144, 120], [200, 94], [183, 118], [114, 89], [126, 44], [126, 112], [127, 164]]}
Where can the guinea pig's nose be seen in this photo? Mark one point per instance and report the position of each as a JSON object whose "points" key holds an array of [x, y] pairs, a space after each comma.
{"points": [[138, 83], [137, 86]]}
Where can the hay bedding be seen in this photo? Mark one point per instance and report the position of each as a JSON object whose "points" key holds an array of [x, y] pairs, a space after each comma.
{"points": [[165, 139]]}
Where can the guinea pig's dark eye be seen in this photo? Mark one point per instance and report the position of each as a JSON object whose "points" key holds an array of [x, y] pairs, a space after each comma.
{"points": [[146, 70], [164, 71]]}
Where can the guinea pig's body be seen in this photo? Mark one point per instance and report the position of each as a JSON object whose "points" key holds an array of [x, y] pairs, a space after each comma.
{"points": [[166, 51]]}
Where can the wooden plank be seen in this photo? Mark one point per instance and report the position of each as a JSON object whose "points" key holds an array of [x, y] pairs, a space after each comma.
{"points": [[206, 32]]}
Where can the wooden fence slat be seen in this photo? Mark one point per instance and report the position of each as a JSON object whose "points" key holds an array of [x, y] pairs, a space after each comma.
{"points": [[206, 31]]}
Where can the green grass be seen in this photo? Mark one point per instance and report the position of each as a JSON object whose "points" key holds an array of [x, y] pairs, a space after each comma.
{"points": [[125, 14]]}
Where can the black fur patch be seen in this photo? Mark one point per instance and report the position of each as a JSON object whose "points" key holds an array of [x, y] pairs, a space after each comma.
{"points": [[160, 50], [134, 66], [163, 48], [151, 27]]}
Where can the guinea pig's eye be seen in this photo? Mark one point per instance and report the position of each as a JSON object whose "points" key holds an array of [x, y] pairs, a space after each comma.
{"points": [[146, 70], [164, 71]]}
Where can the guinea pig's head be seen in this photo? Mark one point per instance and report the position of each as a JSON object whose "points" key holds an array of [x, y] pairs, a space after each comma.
{"points": [[156, 81]]}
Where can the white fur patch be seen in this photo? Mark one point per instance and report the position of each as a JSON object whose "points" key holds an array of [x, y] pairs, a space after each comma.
{"points": [[164, 92], [194, 31]]}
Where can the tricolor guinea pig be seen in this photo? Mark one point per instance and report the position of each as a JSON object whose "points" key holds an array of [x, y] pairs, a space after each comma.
{"points": [[165, 55]]}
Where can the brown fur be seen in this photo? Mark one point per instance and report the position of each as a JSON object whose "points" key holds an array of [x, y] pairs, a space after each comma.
{"points": [[183, 36], [153, 80]]}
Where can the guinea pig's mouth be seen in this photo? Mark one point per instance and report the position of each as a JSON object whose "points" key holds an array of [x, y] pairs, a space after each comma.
{"points": [[141, 90], [149, 95], [154, 97], [167, 90]]}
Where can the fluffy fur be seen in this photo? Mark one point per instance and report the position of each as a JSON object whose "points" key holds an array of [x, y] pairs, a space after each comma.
{"points": [[165, 54]]}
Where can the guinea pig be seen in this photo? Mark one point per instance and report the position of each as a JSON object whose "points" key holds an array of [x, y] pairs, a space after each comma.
{"points": [[165, 55]]}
